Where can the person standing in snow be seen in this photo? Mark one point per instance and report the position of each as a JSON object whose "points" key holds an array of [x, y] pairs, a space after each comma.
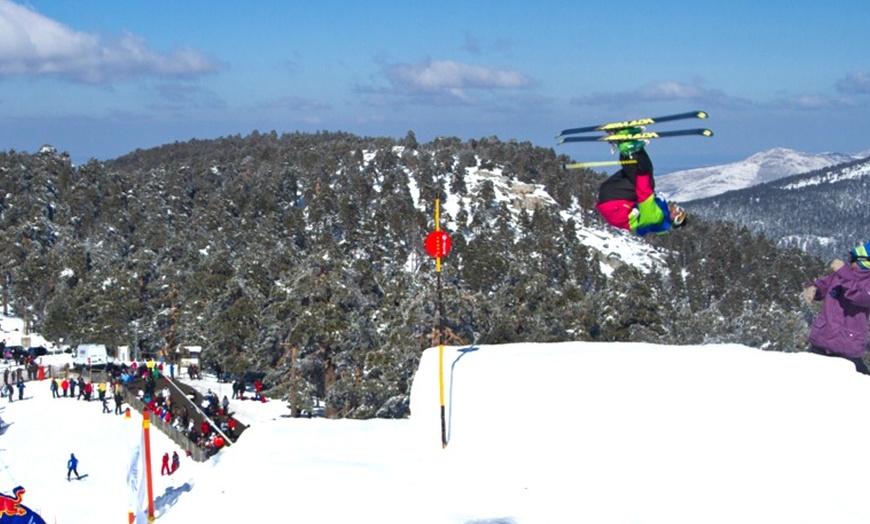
{"points": [[53, 386], [627, 199], [164, 469], [72, 466], [175, 461], [20, 385], [840, 329], [118, 393]]}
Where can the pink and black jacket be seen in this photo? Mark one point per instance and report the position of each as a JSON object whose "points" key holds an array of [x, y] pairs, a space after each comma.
{"points": [[627, 199]]}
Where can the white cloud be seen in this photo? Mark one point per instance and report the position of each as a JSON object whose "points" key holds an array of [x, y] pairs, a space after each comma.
{"points": [[295, 103], [813, 101], [447, 74], [663, 92], [32, 44], [857, 82], [452, 80]]}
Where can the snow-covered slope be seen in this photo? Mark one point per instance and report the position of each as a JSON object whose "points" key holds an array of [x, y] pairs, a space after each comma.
{"points": [[537, 433], [766, 166]]}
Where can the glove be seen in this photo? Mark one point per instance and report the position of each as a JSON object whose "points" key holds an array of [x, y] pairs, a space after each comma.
{"points": [[809, 294], [836, 264]]}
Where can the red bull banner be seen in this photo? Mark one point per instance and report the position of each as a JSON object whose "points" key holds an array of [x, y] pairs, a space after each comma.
{"points": [[12, 511]]}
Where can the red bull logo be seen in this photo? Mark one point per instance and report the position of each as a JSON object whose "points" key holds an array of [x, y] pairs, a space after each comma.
{"points": [[11, 506], [13, 512]]}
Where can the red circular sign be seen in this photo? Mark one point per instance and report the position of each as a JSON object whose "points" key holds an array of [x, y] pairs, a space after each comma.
{"points": [[438, 244]]}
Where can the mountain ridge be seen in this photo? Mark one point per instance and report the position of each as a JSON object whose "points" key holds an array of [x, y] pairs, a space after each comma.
{"points": [[759, 168], [820, 212]]}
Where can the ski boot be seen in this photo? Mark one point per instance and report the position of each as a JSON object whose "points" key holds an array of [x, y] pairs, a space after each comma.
{"points": [[629, 147]]}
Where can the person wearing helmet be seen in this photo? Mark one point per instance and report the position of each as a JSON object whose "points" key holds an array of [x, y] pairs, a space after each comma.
{"points": [[627, 199], [840, 329]]}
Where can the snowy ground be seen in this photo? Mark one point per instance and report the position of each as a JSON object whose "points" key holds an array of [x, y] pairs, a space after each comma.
{"points": [[572, 432]]}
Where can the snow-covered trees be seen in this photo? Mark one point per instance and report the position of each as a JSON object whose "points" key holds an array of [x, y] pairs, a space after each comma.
{"points": [[249, 246]]}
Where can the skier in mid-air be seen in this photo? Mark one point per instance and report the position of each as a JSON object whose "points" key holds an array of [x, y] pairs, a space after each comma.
{"points": [[627, 199]]}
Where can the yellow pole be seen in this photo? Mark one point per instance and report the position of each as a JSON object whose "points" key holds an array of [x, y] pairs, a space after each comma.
{"points": [[440, 332], [581, 165], [146, 424], [438, 228]]}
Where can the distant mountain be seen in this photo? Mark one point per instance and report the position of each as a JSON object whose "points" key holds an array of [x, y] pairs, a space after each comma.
{"points": [[766, 166], [822, 212]]}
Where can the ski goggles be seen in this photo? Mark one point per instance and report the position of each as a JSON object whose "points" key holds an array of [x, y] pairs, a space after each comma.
{"points": [[679, 218]]}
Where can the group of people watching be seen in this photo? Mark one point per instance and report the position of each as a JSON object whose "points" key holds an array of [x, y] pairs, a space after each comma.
{"points": [[175, 414], [141, 379], [81, 389]]}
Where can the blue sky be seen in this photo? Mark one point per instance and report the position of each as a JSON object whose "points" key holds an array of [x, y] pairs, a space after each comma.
{"points": [[99, 78]]}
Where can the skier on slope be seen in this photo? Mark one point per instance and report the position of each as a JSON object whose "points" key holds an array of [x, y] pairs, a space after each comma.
{"points": [[627, 199], [72, 466], [840, 329], [164, 469]]}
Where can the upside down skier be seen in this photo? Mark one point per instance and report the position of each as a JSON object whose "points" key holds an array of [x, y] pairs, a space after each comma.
{"points": [[627, 199]]}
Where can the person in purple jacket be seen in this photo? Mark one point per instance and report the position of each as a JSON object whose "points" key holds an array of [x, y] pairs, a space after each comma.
{"points": [[840, 329]]}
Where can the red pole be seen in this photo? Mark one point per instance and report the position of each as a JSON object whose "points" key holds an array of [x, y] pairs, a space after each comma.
{"points": [[146, 424]]}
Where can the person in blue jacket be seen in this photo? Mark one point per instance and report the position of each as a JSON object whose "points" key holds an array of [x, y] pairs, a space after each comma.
{"points": [[72, 466]]}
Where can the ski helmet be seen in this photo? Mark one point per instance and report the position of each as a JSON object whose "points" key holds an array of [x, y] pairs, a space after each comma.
{"points": [[678, 216], [861, 255]]}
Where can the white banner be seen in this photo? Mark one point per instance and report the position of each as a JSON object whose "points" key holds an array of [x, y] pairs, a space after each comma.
{"points": [[136, 474]]}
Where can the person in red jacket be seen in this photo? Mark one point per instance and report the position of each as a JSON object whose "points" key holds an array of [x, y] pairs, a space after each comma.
{"points": [[627, 199], [164, 470]]}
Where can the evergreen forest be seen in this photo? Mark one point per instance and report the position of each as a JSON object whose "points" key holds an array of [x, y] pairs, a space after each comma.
{"points": [[299, 258]]}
